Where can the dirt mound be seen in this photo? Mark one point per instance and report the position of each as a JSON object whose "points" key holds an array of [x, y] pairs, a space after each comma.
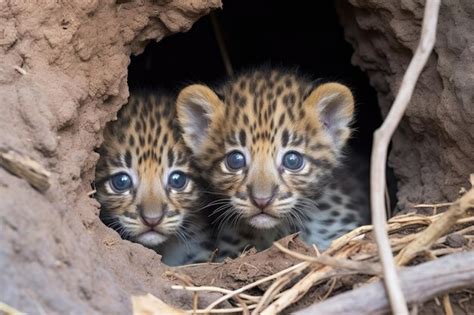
{"points": [[63, 75]]}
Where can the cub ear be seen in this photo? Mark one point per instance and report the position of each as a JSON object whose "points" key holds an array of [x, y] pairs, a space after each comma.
{"points": [[198, 108], [334, 105]]}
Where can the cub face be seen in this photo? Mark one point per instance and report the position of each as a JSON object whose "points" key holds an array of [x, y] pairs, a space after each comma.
{"points": [[143, 177], [268, 140]]}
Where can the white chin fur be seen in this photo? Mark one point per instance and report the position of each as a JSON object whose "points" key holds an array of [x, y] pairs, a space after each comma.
{"points": [[150, 239], [263, 221]]}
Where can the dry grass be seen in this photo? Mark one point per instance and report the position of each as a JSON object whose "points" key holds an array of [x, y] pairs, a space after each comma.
{"points": [[413, 238]]}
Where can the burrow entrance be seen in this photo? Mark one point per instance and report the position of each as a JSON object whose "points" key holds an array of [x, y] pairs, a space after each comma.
{"points": [[308, 37]]}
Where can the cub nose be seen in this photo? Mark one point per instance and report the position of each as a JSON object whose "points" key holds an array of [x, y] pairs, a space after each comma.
{"points": [[261, 203], [152, 220]]}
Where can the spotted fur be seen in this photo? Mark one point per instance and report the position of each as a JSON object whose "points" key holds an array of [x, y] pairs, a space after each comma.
{"points": [[145, 146], [266, 114]]}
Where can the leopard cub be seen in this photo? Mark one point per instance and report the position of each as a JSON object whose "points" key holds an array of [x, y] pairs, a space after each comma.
{"points": [[269, 141], [145, 184]]}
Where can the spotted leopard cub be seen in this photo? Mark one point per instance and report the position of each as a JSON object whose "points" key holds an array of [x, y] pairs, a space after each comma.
{"points": [[268, 142], [144, 182]]}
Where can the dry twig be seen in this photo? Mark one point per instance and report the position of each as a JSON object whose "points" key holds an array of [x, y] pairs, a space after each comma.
{"points": [[361, 267], [299, 267], [419, 283], [448, 308], [437, 229], [221, 43], [299, 289], [382, 138]]}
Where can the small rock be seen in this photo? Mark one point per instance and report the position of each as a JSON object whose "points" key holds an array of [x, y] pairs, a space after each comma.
{"points": [[456, 240]]}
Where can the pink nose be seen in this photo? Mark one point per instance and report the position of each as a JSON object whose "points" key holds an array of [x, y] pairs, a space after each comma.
{"points": [[262, 202], [152, 220]]}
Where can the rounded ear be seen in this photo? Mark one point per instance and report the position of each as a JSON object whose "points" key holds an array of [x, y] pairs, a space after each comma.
{"points": [[197, 108], [333, 103]]}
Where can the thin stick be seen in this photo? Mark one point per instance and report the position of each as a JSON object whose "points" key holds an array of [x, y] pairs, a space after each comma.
{"points": [[270, 293], [382, 138], [232, 310], [331, 288], [222, 47], [433, 205], [448, 309], [362, 267], [249, 297]]}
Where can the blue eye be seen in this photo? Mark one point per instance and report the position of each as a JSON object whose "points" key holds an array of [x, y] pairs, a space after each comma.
{"points": [[121, 182], [293, 161], [235, 160], [177, 180]]}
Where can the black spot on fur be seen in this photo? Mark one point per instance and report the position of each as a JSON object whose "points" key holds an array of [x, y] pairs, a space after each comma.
{"points": [[131, 141], [242, 101], [349, 218], [328, 221], [324, 206], [336, 199], [170, 158], [245, 120], [138, 126], [279, 90], [285, 136], [128, 159], [242, 137], [281, 121]]}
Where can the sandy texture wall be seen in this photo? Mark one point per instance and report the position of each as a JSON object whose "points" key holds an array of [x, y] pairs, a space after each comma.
{"points": [[63, 74], [433, 150]]}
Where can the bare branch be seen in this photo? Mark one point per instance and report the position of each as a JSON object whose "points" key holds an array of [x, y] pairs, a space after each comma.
{"points": [[382, 138], [419, 284]]}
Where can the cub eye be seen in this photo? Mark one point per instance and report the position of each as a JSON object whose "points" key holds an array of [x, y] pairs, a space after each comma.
{"points": [[121, 182], [177, 180], [235, 160], [293, 161]]}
